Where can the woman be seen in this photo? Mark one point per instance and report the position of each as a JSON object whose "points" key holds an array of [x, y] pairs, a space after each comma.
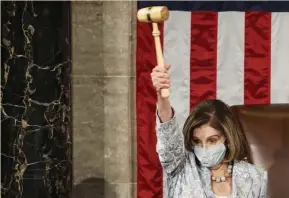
{"points": [[205, 161]]}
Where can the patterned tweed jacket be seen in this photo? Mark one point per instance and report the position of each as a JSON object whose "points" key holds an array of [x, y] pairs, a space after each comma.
{"points": [[185, 179]]}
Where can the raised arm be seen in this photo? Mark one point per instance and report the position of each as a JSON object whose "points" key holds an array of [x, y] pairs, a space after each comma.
{"points": [[170, 144], [170, 141]]}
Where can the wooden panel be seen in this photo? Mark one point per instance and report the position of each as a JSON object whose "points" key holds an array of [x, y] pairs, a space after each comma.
{"points": [[267, 131]]}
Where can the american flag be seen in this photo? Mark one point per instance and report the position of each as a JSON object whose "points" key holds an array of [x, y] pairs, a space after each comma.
{"points": [[234, 51]]}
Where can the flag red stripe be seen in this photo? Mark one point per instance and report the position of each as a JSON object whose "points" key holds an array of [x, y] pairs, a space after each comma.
{"points": [[149, 170], [257, 58], [204, 31]]}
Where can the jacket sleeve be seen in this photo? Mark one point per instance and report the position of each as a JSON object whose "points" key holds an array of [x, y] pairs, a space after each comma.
{"points": [[264, 191], [170, 145]]}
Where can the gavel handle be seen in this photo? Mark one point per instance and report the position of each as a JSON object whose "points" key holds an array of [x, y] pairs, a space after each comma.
{"points": [[165, 93]]}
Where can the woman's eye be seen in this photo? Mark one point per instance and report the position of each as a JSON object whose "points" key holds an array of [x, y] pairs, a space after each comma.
{"points": [[196, 142], [212, 141]]}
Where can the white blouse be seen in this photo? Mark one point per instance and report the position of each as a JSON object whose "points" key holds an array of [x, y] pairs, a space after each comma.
{"points": [[219, 196]]}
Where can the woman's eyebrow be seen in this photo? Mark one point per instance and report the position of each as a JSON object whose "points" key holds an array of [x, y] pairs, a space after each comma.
{"points": [[213, 136]]}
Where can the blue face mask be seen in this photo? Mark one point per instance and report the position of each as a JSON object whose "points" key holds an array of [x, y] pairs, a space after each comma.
{"points": [[211, 156]]}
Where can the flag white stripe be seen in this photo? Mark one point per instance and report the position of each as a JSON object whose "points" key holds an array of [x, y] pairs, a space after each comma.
{"points": [[280, 58], [230, 57], [177, 33]]}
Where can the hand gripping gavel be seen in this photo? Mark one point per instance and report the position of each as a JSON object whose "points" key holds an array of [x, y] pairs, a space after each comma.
{"points": [[156, 15]]}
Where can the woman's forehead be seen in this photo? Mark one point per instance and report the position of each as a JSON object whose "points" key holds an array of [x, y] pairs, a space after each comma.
{"points": [[205, 131]]}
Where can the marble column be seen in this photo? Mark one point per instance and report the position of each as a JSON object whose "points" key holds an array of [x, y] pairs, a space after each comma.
{"points": [[104, 161], [35, 100]]}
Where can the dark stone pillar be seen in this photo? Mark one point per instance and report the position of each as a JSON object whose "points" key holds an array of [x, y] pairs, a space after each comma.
{"points": [[36, 136]]}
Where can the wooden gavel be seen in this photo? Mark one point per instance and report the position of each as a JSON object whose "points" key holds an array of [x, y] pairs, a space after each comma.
{"points": [[155, 15]]}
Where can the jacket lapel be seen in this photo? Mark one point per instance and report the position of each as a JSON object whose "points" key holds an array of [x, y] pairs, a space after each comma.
{"points": [[205, 177], [242, 180]]}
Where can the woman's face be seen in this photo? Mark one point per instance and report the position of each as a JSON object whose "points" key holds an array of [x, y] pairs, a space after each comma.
{"points": [[206, 136]]}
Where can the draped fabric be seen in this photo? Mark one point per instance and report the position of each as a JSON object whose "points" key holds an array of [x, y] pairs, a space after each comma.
{"points": [[234, 51]]}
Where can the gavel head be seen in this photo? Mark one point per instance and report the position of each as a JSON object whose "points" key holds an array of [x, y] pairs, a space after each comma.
{"points": [[155, 14]]}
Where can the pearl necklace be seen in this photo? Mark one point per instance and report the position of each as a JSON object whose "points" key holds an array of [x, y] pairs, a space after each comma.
{"points": [[223, 178]]}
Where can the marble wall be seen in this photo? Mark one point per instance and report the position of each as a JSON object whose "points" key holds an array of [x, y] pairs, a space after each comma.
{"points": [[104, 158], [35, 100], [41, 43]]}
